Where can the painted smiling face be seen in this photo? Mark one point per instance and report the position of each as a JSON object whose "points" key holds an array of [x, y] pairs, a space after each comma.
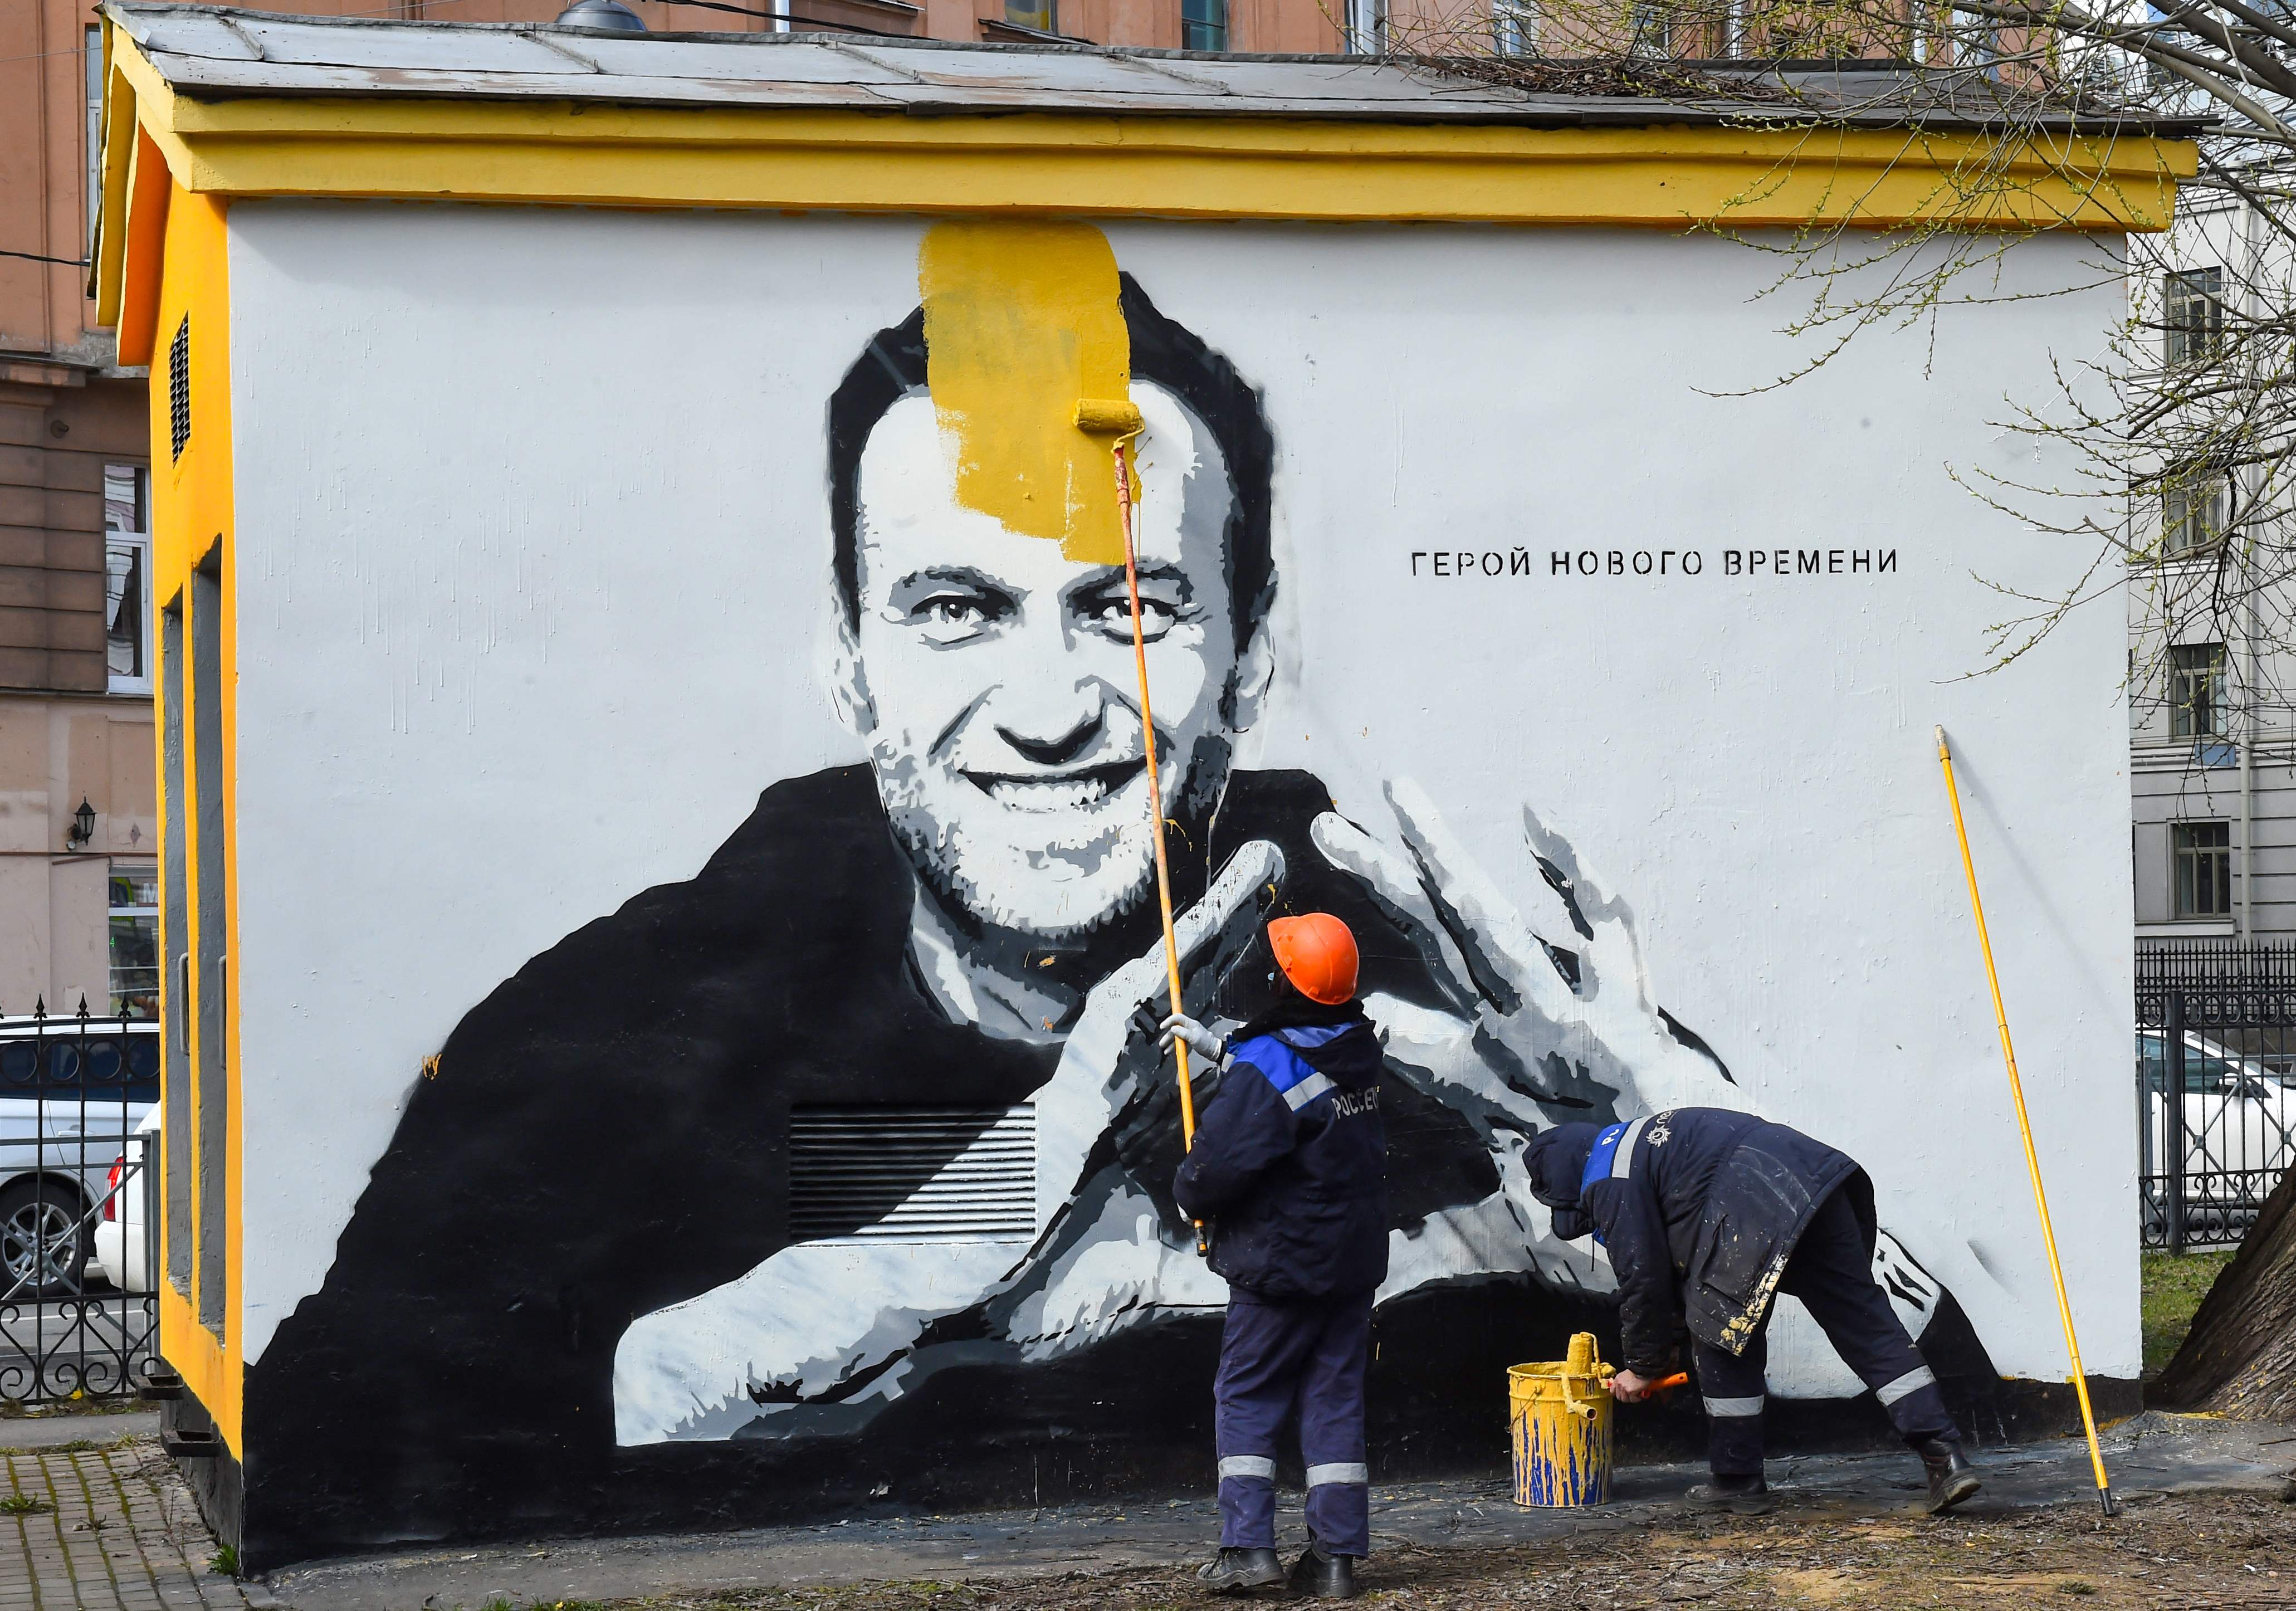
{"points": [[992, 677]]}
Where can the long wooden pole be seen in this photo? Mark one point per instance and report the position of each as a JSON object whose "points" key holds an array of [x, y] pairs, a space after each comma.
{"points": [[2025, 1128]]}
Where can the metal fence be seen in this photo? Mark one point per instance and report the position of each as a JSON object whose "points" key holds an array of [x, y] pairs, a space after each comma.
{"points": [[2216, 1083], [78, 1244]]}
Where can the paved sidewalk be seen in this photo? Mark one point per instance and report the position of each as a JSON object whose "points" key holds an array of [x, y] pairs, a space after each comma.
{"points": [[97, 1522]]}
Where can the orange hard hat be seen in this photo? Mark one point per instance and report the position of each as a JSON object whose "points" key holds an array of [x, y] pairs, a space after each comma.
{"points": [[1317, 955]]}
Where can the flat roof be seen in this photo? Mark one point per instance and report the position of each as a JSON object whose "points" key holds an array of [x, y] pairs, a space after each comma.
{"points": [[215, 53]]}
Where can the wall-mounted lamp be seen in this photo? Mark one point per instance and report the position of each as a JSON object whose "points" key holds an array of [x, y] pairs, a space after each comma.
{"points": [[83, 825]]}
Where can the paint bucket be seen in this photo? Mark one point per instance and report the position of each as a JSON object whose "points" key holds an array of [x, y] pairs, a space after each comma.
{"points": [[1559, 1414]]}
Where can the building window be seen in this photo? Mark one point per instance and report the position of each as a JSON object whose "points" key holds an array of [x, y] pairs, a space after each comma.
{"points": [[127, 578], [1043, 15], [1653, 29], [92, 59], [2193, 310], [1514, 28], [1203, 24], [2193, 518], [2195, 690], [2203, 858], [135, 939], [1366, 27]]}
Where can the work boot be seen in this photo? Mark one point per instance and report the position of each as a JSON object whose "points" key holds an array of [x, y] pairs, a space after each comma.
{"points": [[1321, 1576], [1952, 1478], [1232, 1571], [1739, 1495]]}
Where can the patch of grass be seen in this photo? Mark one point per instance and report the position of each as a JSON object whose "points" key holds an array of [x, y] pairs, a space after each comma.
{"points": [[80, 1445], [2174, 1286], [22, 1504], [226, 1560]]}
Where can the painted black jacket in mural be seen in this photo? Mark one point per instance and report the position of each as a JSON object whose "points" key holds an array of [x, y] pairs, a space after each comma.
{"points": [[1290, 1165], [606, 1134], [1707, 1203]]}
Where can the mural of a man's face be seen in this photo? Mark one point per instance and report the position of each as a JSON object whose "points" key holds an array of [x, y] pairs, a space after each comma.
{"points": [[993, 677]]}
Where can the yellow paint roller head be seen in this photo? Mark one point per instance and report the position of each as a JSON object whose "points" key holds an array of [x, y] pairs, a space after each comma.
{"points": [[1109, 416]]}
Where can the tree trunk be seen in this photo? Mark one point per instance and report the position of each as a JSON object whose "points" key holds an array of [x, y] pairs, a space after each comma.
{"points": [[2239, 1360]]}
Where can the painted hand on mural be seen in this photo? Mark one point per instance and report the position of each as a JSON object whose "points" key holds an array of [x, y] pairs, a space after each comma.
{"points": [[722, 1358], [1538, 1028], [1114, 1077]]}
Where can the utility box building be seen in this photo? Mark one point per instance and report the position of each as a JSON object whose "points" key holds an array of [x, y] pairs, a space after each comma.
{"points": [[630, 488]]}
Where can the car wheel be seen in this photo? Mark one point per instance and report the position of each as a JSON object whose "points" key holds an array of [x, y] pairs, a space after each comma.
{"points": [[43, 1245]]}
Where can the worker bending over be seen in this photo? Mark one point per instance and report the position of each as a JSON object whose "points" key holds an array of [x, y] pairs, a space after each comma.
{"points": [[1288, 1174], [1706, 1213]]}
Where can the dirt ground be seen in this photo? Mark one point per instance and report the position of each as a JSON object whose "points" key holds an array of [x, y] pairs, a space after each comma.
{"points": [[2220, 1552]]}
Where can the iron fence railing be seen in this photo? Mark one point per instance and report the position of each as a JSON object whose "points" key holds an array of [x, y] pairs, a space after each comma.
{"points": [[2216, 1086], [79, 1220]]}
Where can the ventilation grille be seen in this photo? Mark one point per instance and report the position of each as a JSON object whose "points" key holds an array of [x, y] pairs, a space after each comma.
{"points": [[179, 388], [913, 1174]]}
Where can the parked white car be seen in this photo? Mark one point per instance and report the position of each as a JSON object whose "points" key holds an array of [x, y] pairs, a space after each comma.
{"points": [[69, 1103], [123, 1250], [2239, 1134]]}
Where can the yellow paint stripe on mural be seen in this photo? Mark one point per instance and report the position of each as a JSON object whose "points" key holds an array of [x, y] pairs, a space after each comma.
{"points": [[1021, 322]]}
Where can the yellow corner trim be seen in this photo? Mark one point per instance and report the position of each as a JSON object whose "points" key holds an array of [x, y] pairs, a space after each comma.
{"points": [[119, 137], [1095, 166], [133, 291]]}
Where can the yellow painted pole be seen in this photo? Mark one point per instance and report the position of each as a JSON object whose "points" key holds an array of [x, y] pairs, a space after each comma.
{"points": [[1122, 420], [2025, 1127]]}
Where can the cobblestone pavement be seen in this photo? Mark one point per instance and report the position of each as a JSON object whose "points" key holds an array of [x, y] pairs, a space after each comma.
{"points": [[101, 1524]]}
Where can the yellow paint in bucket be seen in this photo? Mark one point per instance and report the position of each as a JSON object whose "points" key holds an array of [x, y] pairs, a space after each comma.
{"points": [[1560, 1416]]}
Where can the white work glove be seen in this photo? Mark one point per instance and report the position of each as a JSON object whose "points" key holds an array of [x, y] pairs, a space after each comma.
{"points": [[1212, 1049]]}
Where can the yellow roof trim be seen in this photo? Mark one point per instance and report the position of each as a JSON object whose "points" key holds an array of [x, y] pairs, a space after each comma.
{"points": [[1090, 164]]}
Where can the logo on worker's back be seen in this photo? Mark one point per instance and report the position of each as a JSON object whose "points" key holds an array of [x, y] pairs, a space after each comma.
{"points": [[899, 1114]]}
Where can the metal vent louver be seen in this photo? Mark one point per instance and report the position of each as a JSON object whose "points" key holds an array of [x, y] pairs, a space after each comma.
{"points": [[179, 388], [913, 1174]]}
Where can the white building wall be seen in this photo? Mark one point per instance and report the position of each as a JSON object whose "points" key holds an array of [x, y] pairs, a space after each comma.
{"points": [[530, 526]]}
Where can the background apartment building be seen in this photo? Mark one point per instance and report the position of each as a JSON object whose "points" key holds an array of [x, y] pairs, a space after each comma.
{"points": [[2212, 707], [76, 884]]}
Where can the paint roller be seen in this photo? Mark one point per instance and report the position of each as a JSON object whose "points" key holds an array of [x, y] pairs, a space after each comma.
{"points": [[1120, 418]]}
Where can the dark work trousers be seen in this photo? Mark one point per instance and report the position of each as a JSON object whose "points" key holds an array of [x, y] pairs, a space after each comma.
{"points": [[1832, 1272], [1276, 1355]]}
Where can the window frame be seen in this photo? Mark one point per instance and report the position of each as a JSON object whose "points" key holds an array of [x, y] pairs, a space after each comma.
{"points": [[1207, 33], [1651, 25], [2193, 866], [2183, 338], [128, 867], [1515, 26], [2187, 680], [2176, 507], [1364, 25], [92, 77], [137, 544]]}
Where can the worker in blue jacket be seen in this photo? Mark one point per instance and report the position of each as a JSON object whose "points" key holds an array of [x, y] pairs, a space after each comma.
{"points": [[1706, 1214], [1288, 1173]]}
